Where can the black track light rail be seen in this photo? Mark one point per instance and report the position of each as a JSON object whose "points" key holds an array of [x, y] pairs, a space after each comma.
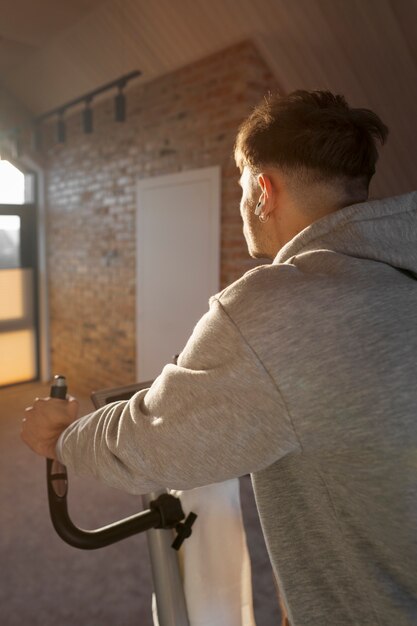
{"points": [[88, 97]]}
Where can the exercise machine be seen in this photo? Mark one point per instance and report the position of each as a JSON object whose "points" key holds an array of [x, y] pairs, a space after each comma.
{"points": [[162, 515]]}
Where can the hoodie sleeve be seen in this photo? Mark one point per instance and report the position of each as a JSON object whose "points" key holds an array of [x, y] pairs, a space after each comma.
{"points": [[214, 416]]}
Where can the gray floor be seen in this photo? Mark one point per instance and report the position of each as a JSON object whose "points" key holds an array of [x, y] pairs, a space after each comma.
{"points": [[44, 582]]}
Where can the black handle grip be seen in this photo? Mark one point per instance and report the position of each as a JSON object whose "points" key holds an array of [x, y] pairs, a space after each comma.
{"points": [[59, 387], [56, 472]]}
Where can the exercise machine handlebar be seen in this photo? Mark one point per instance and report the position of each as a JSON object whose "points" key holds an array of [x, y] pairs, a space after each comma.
{"points": [[164, 512]]}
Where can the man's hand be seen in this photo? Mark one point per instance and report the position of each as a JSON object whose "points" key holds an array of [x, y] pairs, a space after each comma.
{"points": [[45, 421]]}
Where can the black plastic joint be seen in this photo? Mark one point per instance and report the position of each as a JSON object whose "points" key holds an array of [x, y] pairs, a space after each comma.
{"points": [[170, 510]]}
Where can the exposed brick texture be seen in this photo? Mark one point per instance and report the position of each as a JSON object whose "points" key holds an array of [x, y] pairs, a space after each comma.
{"points": [[184, 120]]}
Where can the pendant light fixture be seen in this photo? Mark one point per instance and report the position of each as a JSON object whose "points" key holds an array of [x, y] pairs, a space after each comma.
{"points": [[61, 127], [88, 117], [120, 104]]}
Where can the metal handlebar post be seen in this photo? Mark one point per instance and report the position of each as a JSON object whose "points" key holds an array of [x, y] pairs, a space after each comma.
{"points": [[169, 592], [163, 512]]}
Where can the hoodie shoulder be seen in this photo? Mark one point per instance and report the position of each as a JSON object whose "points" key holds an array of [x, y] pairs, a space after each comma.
{"points": [[358, 224], [249, 295]]}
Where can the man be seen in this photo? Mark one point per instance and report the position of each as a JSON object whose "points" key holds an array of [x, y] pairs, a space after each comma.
{"points": [[302, 373]]}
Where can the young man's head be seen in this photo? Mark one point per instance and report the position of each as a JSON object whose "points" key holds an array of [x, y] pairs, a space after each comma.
{"points": [[301, 157]]}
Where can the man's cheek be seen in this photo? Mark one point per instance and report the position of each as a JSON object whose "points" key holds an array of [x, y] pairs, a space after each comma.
{"points": [[245, 231]]}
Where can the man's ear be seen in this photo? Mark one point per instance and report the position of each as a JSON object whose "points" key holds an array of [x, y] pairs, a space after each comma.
{"points": [[264, 182], [269, 202]]}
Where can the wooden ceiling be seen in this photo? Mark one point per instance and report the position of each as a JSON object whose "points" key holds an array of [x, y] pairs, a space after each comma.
{"points": [[27, 26], [52, 52]]}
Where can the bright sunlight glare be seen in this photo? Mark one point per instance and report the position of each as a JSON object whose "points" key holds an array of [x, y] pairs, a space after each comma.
{"points": [[12, 184], [9, 222]]}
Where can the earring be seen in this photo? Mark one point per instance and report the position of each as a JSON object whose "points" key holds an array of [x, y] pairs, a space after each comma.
{"points": [[264, 218]]}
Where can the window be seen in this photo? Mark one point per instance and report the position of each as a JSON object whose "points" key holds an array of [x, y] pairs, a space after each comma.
{"points": [[12, 184], [9, 241], [18, 339]]}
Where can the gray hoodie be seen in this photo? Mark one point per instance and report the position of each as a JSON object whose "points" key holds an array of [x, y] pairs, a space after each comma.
{"points": [[303, 373]]}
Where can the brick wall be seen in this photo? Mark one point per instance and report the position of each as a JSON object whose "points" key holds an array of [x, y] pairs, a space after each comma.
{"points": [[184, 120]]}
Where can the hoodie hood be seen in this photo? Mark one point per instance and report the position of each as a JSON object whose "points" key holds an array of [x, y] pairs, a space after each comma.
{"points": [[380, 230]]}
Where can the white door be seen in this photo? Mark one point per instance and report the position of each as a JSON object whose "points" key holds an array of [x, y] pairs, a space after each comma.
{"points": [[178, 262]]}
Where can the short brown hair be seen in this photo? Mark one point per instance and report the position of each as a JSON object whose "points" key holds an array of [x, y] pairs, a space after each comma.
{"points": [[314, 130]]}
